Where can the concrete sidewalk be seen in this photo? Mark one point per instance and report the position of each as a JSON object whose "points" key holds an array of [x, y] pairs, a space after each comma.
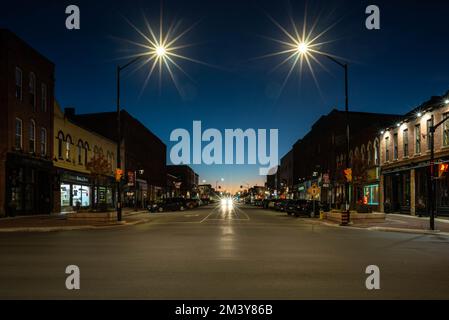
{"points": [[59, 222], [405, 223]]}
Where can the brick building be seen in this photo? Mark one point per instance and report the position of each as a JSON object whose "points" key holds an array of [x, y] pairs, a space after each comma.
{"points": [[317, 157], [186, 178], [26, 128], [405, 159], [141, 150]]}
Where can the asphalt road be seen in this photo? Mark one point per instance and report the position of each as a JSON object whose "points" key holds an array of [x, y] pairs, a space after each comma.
{"points": [[211, 253]]}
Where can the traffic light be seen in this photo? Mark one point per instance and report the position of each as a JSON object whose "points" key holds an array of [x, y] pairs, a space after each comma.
{"points": [[348, 174], [118, 175], [442, 169]]}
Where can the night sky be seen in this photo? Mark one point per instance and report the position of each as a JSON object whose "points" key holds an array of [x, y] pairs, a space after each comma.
{"points": [[391, 70]]}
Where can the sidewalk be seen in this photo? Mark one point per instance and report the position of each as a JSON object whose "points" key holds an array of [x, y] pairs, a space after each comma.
{"points": [[59, 222], [407, 224]]}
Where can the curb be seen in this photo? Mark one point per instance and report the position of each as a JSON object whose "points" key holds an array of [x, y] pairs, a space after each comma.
{"points": [[71, 228]]}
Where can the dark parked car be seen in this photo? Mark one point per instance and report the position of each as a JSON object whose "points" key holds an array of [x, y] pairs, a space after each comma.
{"points": [[303, 207], [170, 204], [280, 206]]}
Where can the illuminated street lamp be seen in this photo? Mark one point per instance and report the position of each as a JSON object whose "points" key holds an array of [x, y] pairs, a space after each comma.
{"points": [[160, 52], [303, 48]]}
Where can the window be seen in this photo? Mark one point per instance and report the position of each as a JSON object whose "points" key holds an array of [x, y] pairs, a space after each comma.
{"points": [[80, 152], [60, 142], [368, 151], [43, 141], [446, 130], [418, 139], [387, 148], [371, 193], [68, 142], [32, 90], [32, 137], [395, 146], [86, 149], [429, 125], [376, 152], [405, 142], [18, 140], [18, 83], [44, 97]]}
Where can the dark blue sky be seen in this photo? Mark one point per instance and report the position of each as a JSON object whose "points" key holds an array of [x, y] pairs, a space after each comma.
{"points": [[391, 70]]}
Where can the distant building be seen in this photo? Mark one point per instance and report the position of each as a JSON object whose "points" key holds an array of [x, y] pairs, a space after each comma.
{"points": [[84, 164], [405, 159], [286, 175], [26, 128], [141, 150], [186, 178]]}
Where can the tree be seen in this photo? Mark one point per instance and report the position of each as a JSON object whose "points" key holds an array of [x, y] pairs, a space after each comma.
{"points": [[99, 167]]}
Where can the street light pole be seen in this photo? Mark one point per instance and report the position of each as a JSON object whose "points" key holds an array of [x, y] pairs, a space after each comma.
{"points": [[119, 136], [347, 187]]}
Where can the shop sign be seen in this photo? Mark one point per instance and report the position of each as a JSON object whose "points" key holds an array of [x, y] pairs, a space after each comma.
{"points": [[75, 178], [372, 174]]}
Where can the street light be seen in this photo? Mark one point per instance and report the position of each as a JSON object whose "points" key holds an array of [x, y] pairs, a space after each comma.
{"points": [[304, 50], [433, 177], [160, 51]]}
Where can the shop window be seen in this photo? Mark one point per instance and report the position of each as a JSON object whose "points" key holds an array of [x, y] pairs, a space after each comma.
{"points": [[371, 193], [65, 195], [81, 195], [18, 83], [32, 90], [18, 138]]}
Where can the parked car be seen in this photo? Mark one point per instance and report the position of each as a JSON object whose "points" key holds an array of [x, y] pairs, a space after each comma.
{"points": [[170, 204], [280, 206], [192, 203], [303, 207]]}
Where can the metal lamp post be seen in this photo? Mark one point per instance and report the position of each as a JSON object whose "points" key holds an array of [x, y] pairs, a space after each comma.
{"points": [[119, 136]]}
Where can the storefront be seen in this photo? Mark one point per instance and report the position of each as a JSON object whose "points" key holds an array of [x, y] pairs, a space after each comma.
{"points": [[397, 191], [371, 195], [80, 191], [75, 191], [28, 185]]}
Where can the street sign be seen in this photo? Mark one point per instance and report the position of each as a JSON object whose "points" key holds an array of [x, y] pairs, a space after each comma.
{"points": [[313, 190]]}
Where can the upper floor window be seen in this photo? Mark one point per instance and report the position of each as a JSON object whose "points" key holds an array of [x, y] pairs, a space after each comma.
{"points": [[368, 152], [418, 139], [387, 148], [376, 152], [43, 142], [44, 97], [446, 129], [18, 83], [429, 125], [32, 90], [68, 145], [395, 146], [60, 144], [405, 142], [80, 152], [32, 137], [86, 149], [18, 137]]}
